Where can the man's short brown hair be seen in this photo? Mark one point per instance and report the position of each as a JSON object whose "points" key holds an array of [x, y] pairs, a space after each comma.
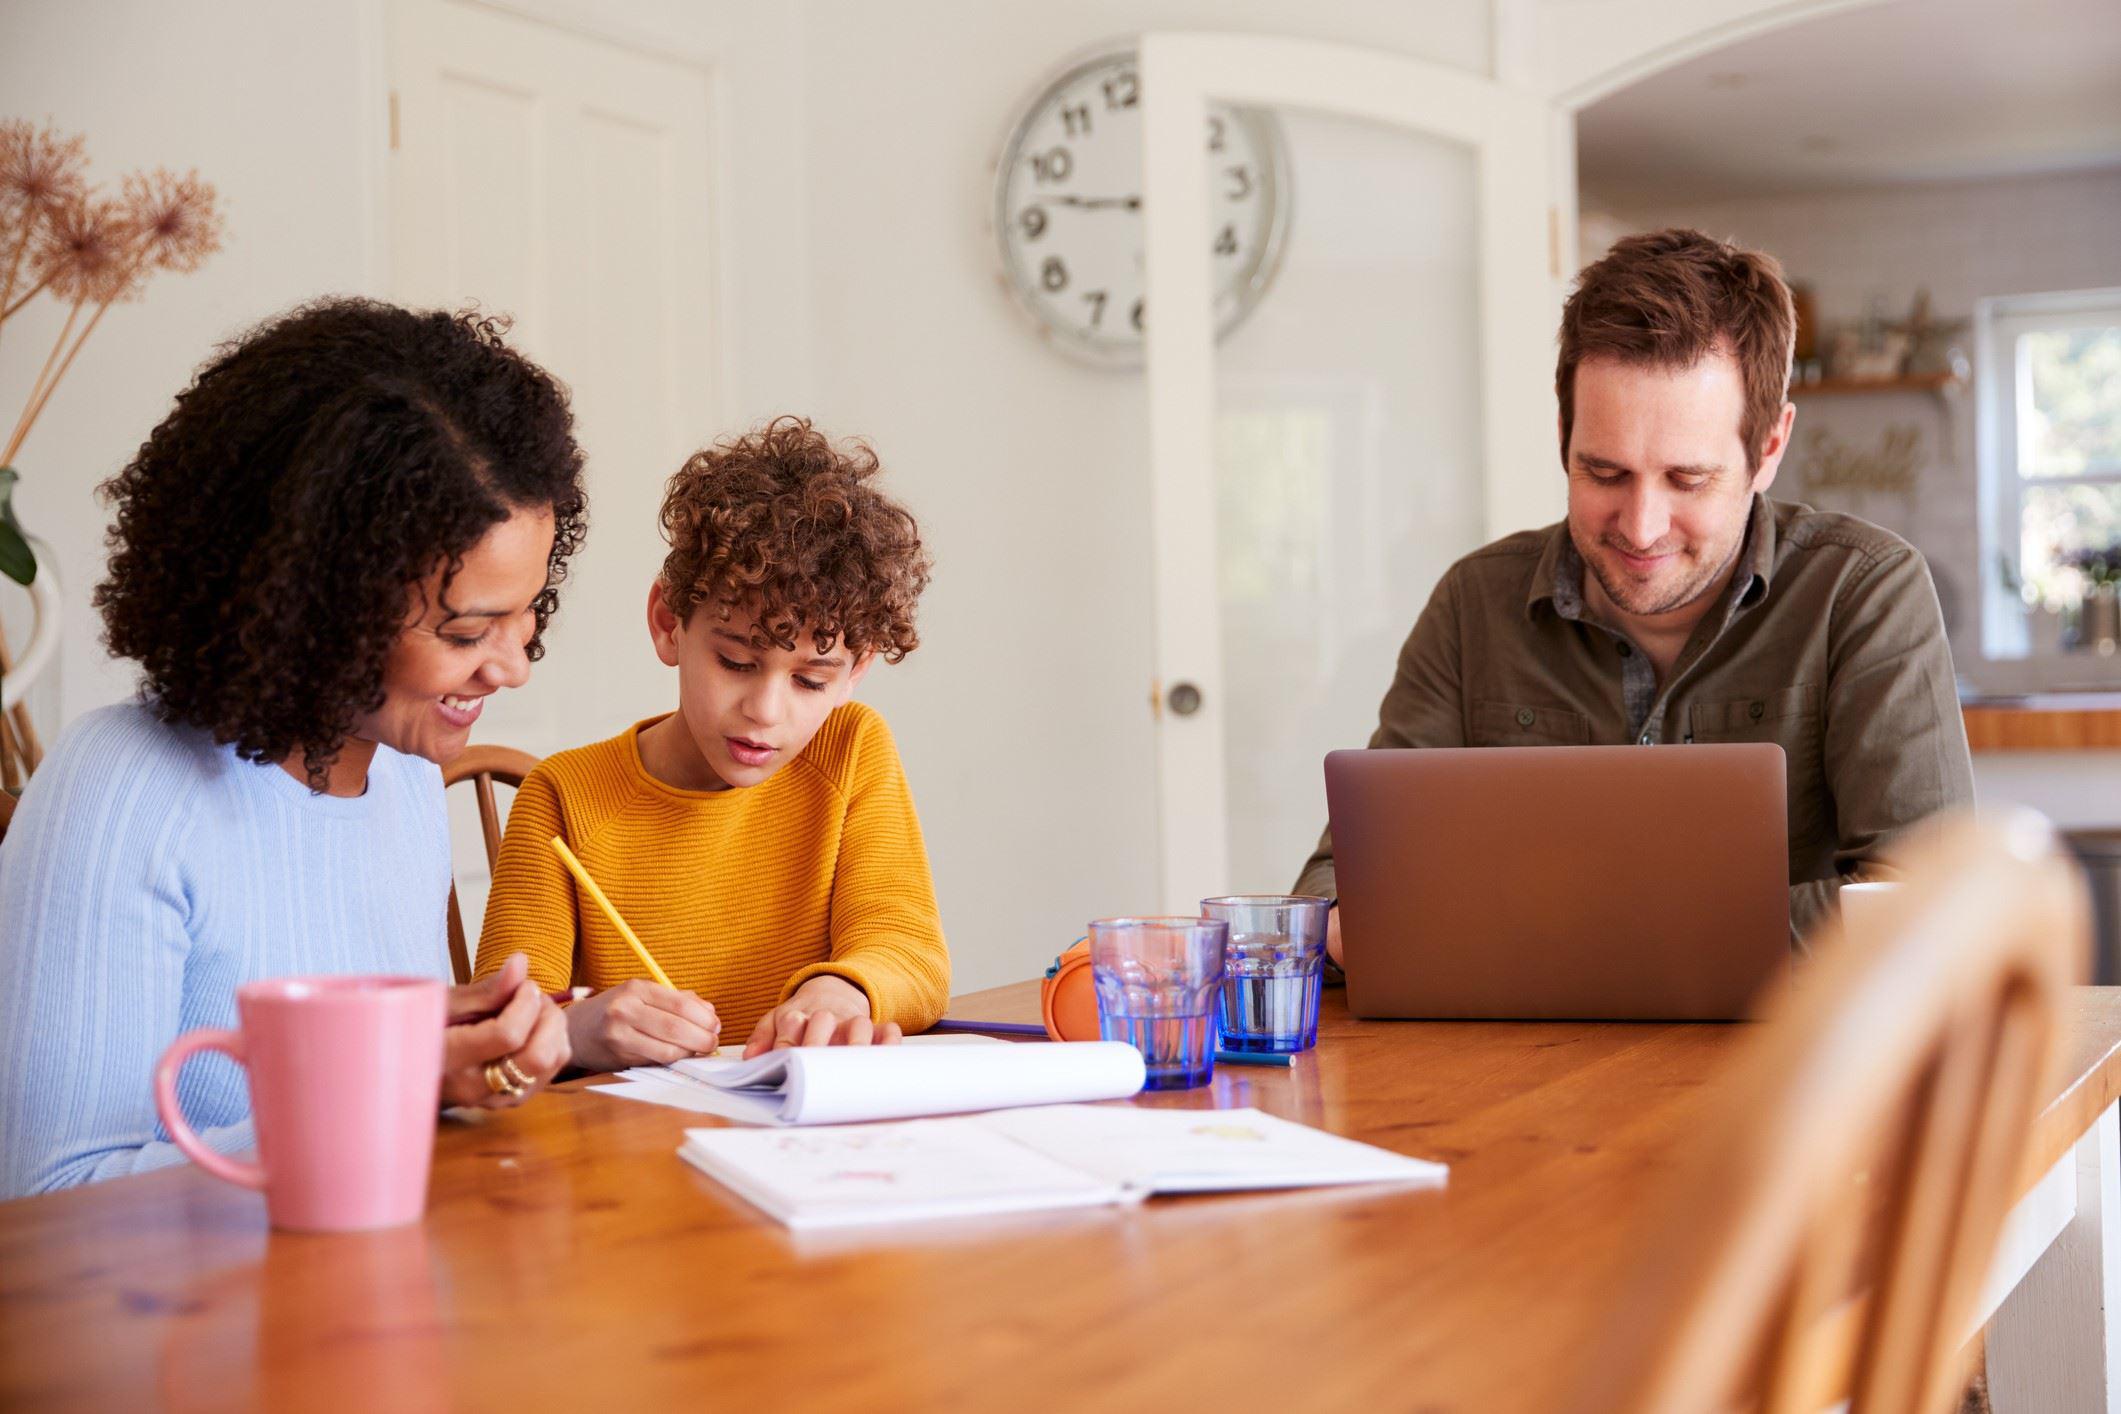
{"points": [[1671, 298], [783, 523]]}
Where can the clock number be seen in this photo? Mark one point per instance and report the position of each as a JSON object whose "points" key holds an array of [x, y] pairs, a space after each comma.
{"points": [[1096, 300], [1240, 182], [1215, 133], [1076, 120], [1136, 316], [1053, 165], [1053, 275], [1033, 221], [1226, 243], [1122, 90]]}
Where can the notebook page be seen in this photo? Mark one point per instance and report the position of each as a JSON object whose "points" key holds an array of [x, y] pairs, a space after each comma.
{"points": [[873, 1173], [757, 1101], [845, 1084], [1202, 1151]]}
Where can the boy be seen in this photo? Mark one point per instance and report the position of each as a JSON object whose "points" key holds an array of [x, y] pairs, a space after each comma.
{"points": [[760, 839]]}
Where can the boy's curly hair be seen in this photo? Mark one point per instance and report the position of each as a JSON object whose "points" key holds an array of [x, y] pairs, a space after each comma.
{"points": [[270, 530], [783, 523]]}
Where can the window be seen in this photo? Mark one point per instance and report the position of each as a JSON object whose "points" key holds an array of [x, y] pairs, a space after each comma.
{"points": [[2050, 426]]}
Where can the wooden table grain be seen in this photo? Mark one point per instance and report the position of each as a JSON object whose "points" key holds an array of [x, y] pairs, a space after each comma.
{"points": [[569, 1259]]}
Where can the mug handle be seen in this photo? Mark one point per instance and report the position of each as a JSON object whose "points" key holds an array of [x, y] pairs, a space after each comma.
{"points": [[230, 1044]]}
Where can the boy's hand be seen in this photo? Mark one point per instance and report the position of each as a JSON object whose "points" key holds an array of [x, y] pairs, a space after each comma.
{"points": [[640, 1023], [825, 1011]]}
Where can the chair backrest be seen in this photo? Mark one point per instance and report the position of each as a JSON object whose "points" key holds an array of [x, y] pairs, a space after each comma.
{"points": [[1827, 1233], [7, 811], [482, 766]]}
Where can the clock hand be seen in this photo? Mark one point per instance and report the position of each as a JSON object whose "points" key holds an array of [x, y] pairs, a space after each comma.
{"points": [[1131, 203]]}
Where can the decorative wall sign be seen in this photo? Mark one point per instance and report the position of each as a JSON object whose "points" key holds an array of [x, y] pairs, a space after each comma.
{"points": [[1891, 467]]}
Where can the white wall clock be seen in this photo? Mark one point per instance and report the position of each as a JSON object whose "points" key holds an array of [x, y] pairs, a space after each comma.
{"points": [[1067, 209]]}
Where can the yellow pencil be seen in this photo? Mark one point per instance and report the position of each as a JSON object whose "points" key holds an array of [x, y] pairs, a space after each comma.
{"points": [[574, 866]]}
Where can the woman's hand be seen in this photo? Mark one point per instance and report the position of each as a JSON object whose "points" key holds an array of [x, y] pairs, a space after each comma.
{"points": [[502, 1016], [639, 1023], [825, 1011]]}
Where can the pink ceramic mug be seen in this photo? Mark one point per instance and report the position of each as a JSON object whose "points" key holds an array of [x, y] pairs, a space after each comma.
{"points": [[345, 1082]]}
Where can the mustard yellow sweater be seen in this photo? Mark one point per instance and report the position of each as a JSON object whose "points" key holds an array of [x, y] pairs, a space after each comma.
{"points": [[742, 895]]}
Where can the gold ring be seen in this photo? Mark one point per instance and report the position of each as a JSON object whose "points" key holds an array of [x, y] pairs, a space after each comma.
{"points": [[497, 1081], [516, 1073]]}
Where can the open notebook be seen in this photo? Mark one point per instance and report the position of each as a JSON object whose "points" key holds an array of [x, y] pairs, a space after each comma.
{"points": [[842, 1084], [1018, 1160]]}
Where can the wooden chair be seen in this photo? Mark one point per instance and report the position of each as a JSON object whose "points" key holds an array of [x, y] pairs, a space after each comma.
{"points": [[7, 811], [1827, 1234], [482, 766]]}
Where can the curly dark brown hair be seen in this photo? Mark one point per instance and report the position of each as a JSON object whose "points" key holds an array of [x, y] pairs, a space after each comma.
{"points": [[784, 524], [271, 530]]}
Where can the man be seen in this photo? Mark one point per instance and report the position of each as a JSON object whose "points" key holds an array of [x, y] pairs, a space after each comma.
{"points": [[1677, 603]]}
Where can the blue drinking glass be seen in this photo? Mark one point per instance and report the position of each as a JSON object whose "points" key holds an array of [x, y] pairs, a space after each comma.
{"points": [[1157, 980], [1274, 967]]}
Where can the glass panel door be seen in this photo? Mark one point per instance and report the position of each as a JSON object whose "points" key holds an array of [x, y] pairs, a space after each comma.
{"points": [[1347, 465], [1385, 407]]}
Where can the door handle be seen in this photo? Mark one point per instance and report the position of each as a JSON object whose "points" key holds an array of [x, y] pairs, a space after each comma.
{"points": [[1183, 699]]}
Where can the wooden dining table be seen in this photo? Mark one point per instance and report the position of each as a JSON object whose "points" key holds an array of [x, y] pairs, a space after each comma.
{"points": [[570, 1260]]}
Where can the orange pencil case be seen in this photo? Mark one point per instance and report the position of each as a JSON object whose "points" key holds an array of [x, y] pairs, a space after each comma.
{"points": [[1067, 998]]}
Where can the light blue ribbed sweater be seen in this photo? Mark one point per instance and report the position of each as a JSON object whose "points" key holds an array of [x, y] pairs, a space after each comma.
{"points": [[147, 874]]}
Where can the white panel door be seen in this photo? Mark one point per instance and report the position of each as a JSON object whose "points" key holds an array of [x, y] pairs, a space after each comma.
{"points": [[567, 181], [1388, 408]]}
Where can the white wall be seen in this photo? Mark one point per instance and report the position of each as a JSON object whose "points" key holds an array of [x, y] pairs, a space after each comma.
{"points": [[1024, 717], [857, 152], [269, 103], [1962, 240]]}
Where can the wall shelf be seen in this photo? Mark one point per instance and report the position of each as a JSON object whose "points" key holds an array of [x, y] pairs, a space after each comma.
{"points": [[2050, 722], [1909, 383]]}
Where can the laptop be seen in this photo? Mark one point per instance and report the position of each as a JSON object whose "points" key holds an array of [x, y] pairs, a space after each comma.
{"points": [[1609, 883]]}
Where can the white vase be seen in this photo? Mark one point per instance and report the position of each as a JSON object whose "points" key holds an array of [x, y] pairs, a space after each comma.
{"points": [[37, 656]]}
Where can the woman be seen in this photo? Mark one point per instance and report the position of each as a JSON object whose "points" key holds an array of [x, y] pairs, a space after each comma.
{"points": [[348, 533]]}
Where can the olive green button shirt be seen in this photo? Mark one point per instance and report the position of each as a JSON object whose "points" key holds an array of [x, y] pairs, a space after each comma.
{"points": [[1828, 642]]}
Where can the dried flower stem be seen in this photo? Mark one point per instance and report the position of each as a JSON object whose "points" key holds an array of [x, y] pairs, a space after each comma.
{"points": [[42, 392], [14, 445], [58, 347], [14, 267], [20, 730], [41, 388], [10, 771], [26, 296]]}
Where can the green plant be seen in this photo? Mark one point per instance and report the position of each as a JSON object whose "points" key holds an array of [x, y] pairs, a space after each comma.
{"points": [[2099, 564]]}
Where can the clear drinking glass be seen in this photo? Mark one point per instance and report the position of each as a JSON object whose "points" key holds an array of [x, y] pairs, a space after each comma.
{"points": [[1274, 967], [1157, 980]]}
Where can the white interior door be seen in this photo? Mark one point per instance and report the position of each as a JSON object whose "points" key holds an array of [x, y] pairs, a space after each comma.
{"points": [[1387, 408], [567, 181]]}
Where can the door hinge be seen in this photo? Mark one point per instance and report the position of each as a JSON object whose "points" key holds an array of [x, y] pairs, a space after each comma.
{"points": [[1553, 239], [393, 120]]}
